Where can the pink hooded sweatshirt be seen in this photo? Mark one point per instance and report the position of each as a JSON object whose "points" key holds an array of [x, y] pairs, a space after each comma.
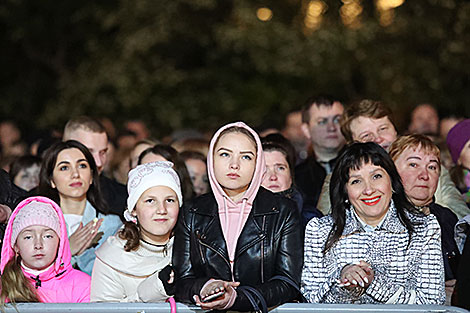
{"points": [[60, 283], [234, 215]]}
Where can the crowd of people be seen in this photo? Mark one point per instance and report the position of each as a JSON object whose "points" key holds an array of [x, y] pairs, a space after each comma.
{"points": [[336, 207]]}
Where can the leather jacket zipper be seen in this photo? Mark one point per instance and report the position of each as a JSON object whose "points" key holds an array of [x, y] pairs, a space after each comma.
{"points": [[209, 247], [262, 252], [200, 251], [199, 236]]}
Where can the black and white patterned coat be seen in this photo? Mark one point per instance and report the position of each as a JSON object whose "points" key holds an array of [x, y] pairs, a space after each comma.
{"points": [[404, 273]]}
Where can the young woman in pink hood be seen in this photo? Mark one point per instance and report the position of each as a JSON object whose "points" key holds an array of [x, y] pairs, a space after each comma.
{"points": [[35, 261], [240, 241]]}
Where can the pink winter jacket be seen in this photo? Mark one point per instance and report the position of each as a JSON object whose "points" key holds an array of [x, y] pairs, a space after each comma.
{"points": [[61, 283]]}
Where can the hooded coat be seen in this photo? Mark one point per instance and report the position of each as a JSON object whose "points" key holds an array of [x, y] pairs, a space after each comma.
{"points": [[249, 241], [60, 283]]}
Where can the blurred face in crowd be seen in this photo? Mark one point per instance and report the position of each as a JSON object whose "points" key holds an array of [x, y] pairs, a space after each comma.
{"points": [[464, 158], [323, 128], [369, 191], [419, 171], [424, 120], [37, 245], [152, 157], [378, 130], [97, 143], [157, 211], [198, 173], [446, 124], [135, 153], [293, 129], [277, 177], [28, 178], [72, 174], [234, 163]]}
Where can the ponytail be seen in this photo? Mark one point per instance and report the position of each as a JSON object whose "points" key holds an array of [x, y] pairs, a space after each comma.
{"points": [[131, 233]]}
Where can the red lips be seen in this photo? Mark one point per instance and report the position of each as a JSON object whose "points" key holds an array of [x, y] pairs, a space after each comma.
{"points": [[233, 175], [76, 184], [371, 201]]}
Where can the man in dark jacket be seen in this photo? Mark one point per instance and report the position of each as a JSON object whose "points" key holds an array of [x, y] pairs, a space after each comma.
{"points": [[320, 117]]}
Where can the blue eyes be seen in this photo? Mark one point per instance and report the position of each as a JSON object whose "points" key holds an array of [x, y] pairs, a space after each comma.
{"points": [[243, 157]]}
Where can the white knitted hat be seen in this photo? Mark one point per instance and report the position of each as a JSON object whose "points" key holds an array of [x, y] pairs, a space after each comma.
{"points": [[35, 213], [149, 175]]}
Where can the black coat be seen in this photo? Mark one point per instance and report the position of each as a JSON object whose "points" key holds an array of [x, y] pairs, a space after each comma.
{"points": [[309, 178], [270, 244]]}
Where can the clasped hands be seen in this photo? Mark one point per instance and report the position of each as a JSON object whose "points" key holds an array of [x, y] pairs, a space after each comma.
{"points": [[356, 275]]}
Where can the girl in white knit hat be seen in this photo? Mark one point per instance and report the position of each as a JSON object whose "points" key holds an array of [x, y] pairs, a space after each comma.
{"points": [[134, 265]]}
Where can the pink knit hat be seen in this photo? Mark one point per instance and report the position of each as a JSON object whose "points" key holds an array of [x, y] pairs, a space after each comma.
{"points": [[35, 213]]}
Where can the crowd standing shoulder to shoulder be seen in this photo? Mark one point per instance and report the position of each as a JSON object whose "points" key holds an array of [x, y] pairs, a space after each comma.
{"points": [[372, 121], [235, 245]]}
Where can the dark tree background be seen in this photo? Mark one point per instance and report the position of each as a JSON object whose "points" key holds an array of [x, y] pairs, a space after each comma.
{"points": [[201, 63]]}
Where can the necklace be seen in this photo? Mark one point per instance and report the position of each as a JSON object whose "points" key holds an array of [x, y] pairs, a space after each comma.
{"points": [[164, 246]]}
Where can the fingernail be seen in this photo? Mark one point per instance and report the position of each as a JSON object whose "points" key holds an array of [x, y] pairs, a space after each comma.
{"points": [[361, 284], [338, 281], [366, 280], [357, 262], [354, 282]]}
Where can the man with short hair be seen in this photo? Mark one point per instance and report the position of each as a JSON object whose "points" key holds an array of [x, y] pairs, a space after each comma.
{"points": [[369, 120], [320, 117], [91, 133]]}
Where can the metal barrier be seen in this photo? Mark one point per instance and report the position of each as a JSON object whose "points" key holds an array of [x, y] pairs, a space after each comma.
{"points": [[165, 308]]}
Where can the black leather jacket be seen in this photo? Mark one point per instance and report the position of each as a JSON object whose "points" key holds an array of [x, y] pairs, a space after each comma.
{"points": [[270, 244]]}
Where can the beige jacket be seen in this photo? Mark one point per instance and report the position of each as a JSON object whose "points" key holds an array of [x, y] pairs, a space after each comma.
{"points": [[120, 276], [446, 195]]}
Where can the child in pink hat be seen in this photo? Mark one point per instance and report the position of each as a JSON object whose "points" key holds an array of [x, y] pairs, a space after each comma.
{"points": [[35, 261]]}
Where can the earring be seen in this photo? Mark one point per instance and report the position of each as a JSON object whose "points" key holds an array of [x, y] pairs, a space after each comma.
{"points": [[346, 201]]}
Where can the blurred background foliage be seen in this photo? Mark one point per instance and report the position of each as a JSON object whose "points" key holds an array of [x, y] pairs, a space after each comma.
{"points": [[200, 63]]}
